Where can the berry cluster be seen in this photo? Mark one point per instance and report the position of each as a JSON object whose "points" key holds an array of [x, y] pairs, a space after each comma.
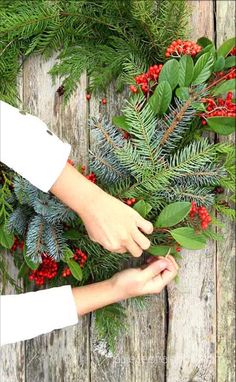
{"points": [[17, 245], [202, 213], [130, 202], [91, 177], [219, 108], [147, 80], [80, 257], [228, 75], [233, 51], [47, 270], [180, 47]]}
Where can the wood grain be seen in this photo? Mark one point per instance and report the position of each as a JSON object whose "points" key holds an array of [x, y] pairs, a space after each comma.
{"points": [[62, 355], [225, 273], [192, 318]]}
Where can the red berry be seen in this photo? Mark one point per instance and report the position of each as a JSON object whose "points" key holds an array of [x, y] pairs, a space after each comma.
{"points": [[88, 97], [104, 101]]}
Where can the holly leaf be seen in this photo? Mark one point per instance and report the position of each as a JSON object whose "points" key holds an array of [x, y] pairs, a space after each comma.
{"points": [[158, 250], [121, 122], [219, 64], [224, 87], [6, 237], [226, 47], [31, 264], [202, 69], [204, 41], [186, 67], [182, 93], [230, 62], [173, 214], [75, 269], [188, 238], [170, 73], [161, 98], [142, 207], [67, 254], [221, 125]]}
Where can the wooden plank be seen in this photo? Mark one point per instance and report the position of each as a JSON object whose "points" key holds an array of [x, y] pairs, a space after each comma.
{"points": [[12, 356], [226, 331], [62, 355], [12, 365], [140, 354], [191, 329]]}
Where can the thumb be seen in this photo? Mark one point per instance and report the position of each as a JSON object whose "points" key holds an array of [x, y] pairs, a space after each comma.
{"points": [[145, 225], [155, 268]]}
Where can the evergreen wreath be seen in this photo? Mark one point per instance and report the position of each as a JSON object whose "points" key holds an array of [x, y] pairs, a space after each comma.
{"points": [[154, 157]]}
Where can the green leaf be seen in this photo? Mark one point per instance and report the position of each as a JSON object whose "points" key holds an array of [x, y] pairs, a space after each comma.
{"points": [[204, 41], [158, 250], [224, 87], [186, 67], [230, 61], [72, 234], [23, 270], [207, 49], [28, 261], [170, 73], [226, 47], [173, 214], [142, 207], [75, 269], [161, 98], [182, 93], [121, 122], [188, 238], [219, 64], [198, 106], [202, 69], [221, 125], [67, 254], [6, 237]]}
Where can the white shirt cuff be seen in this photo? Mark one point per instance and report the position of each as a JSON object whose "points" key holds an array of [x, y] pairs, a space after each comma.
{"points": [[28, 315], [30, 148]]}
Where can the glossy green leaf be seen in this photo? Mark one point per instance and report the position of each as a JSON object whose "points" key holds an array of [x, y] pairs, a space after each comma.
{"points": [[158, 250], [67, 254], [226, 47], [121, 122], [207, 49], [186, 67], [161, 98], [170, 73], [221, 125], [173, 214], [188, 238], [32, 265], [6, 237], [204, 41], [142, 207], [182, 93], [224, 87], [219, 64], [202, 69], [230, 62], [75, 269]]}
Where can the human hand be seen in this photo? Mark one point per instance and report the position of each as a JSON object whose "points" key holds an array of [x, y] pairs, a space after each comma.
{"points": [[115, 225], [107, 220], [141, 281]]}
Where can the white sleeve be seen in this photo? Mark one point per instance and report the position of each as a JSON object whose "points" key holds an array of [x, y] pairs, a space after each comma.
{"points": [[28, 315], [30, 148]]}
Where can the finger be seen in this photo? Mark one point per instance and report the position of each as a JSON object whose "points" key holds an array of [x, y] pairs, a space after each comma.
{"points": [[122, 250], [173, 261], [168, 274], [140, 239], [145, 225], [134, 249], [155, 268]]}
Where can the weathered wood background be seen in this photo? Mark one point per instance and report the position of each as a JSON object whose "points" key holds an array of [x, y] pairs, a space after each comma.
{"points": [[187, 333]]}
